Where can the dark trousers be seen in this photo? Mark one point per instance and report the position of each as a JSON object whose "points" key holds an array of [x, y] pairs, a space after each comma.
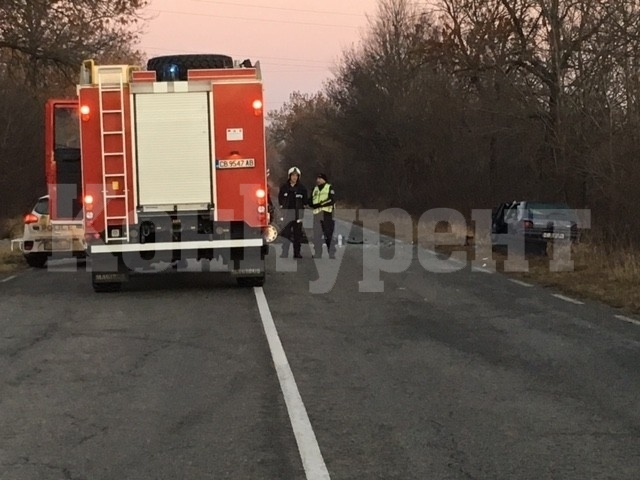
{"points": [[292, 229], [323, 225]]}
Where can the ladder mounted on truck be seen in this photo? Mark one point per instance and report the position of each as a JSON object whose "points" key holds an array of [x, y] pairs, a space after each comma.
{"points": [[111, 81]]}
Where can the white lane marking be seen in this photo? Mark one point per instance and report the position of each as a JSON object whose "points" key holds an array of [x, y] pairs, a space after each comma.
{"points": [[481, 270], [312, 461], [8, 279], [628, 320], [568, 299], [518, 282]]}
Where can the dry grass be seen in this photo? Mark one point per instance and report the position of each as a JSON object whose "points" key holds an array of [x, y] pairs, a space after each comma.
{"points": [[10, 261], [11, 227], [611, 276]]}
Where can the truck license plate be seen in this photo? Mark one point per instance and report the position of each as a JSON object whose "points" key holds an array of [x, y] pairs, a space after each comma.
{"points": [[236, 163]]}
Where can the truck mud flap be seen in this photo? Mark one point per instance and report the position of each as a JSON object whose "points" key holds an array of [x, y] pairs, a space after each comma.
{"points": [[251, 264]]}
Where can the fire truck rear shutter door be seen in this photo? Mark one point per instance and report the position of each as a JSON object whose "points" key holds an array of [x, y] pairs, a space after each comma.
{"points": [[173, 137]]}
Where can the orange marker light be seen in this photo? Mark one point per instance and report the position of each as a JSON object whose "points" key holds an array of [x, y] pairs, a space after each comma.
{"points": [[257, 107], [88, 200], [261, 193], [85, 112]]}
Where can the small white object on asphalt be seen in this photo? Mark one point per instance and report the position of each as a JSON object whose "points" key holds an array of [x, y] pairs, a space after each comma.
{"points": [[8, 279]]}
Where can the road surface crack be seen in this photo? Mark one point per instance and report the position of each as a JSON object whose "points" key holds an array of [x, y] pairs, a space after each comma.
{"points": [[47, 334], [144, 358]]}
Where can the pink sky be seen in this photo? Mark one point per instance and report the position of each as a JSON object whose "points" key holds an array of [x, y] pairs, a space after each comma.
{"points": [[297, 41]]}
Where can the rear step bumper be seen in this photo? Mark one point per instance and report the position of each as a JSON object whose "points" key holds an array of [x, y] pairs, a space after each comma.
{"points": [[166, 246], [17, 244]]}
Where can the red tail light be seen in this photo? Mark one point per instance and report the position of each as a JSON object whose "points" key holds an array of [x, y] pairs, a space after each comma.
{"points": [[30, 218], [91, 237]]}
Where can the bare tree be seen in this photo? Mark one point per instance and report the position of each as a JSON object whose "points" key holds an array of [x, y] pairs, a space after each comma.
{"points": [[54, 36], [42, 43], [487, 101], [557, 45]]}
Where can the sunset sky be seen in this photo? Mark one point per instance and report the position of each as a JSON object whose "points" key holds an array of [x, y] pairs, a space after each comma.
{"points": [[298, 42]]}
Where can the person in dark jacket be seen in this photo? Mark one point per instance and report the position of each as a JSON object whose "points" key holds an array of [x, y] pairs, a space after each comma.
{"points": [[323, 200], [271, 209], [292, 198]]}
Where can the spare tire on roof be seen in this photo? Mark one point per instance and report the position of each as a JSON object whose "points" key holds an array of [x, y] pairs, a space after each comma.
{"points": [[175, 67]]}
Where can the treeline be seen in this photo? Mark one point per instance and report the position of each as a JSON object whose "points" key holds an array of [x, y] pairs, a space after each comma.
{"points": [[473, 103], [42, 44]]}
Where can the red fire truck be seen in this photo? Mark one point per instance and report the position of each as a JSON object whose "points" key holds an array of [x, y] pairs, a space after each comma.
{"points": [[174, 166]]}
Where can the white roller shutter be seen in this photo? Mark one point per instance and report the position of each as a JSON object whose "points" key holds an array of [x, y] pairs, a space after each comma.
{"points": [[173, 135]]}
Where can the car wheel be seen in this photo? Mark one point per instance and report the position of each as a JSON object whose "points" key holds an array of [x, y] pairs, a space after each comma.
{"points": [[537, 249], [36, 260]]}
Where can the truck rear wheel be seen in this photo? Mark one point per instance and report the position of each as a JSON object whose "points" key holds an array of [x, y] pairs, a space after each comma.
{"points": [[174, 67], [106, 287], [248, 282]]}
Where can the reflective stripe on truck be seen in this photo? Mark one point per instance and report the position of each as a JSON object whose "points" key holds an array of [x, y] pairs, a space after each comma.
{"points": [[163, 246]]}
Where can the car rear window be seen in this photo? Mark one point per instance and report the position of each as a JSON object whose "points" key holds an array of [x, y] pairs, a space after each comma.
{"points": [[548, 206], [42, 207], [551, 211]]}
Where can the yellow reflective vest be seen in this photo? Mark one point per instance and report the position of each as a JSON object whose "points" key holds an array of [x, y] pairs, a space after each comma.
{"points": [[320, 196]]}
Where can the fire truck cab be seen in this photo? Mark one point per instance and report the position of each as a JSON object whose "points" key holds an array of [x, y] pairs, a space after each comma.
{"points": [[174, 166]]}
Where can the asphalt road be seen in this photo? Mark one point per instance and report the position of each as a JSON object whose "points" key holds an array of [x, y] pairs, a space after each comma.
{"points": [[459, 375]]}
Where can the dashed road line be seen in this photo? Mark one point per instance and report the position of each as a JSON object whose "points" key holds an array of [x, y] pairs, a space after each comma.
{"points": [[481, 270], [521, 283], [568, 299], [628, 320], [312, 461], [8, 279]]}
